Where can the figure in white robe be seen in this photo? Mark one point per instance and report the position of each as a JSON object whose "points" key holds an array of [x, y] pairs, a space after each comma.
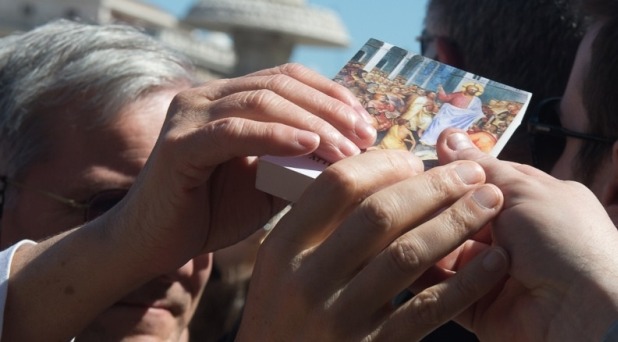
{"points": [[459, 110]]}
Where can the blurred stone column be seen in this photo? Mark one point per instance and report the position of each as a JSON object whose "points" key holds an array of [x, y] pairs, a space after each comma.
{"points": [[265, 32]]}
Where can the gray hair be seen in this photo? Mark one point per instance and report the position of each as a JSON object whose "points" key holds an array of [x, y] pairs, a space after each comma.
{"points": [[67, 69]]}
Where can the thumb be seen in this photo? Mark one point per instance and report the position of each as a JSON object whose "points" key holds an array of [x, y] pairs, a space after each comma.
{"points": [[455, 144]]}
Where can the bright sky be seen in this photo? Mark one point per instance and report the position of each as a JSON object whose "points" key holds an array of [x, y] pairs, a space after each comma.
{"points": [[393, 21]]}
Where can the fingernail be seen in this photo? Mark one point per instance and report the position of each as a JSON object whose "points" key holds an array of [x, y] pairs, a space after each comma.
{"points": [[348, 148], [458, 141], [307, 139], [486, 197], [469, 173], [495, 260]]}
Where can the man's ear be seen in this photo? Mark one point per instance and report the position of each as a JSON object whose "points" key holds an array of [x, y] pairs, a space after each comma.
{"points": [[449, 53]]}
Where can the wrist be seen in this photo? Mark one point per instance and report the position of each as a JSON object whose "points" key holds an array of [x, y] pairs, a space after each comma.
{"points": [[134, 239], [590, 309]]}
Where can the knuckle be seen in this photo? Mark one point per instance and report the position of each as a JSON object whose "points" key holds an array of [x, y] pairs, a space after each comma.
{"points": [[426, 308], [206, 92], [340, 181], [180, 99], [185, 102], [224, 130], [278, 82], [457, 220], [330, 105], [318, 125], [405, 255], [293, 69], [260, 99], [438, 185], [377, 214]]}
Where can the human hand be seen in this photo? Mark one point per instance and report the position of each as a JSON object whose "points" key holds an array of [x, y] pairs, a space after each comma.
{"points": [[360, 234], [563, 272], [197, 190]]}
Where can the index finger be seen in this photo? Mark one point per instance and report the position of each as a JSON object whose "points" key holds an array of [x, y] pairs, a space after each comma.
{"points": [[324, 98], [295, 96], [319, 82]]}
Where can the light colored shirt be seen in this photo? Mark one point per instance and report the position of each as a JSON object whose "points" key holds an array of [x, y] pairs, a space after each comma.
{"points": [[6, 257]]}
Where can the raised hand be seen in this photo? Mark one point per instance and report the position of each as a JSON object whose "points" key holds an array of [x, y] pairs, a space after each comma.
{"points": [[200, 178], [361, 233], [564, 270]]}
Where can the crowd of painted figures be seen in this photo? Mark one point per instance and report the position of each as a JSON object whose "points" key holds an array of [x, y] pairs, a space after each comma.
{"points": [[402, 111]]}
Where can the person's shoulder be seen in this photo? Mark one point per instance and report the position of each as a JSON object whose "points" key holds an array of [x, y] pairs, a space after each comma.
{"points": [[8, 252]]}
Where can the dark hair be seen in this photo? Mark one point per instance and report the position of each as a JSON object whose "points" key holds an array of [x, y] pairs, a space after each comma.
{"points": [[600, 8], [527, 44], [599, 87]]}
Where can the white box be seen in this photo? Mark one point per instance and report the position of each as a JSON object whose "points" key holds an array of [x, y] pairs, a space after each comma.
{"points": [[288, 177]]}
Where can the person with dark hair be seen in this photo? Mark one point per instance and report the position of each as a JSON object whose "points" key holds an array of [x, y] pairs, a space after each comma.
{"points": [[588, 107], [527, 44], [562, 280]]}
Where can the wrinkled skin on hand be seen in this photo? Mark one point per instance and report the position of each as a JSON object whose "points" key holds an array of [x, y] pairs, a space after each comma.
{"points": [[197, 191], [359, 235]]}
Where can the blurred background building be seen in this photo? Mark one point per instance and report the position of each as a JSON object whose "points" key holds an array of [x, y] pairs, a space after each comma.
{"points": [[224, 38]]}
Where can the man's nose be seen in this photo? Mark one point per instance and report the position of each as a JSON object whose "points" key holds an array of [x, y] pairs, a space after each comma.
{"points": [[188, 270]]}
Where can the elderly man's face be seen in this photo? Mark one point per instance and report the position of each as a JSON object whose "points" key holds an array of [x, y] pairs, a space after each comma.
{"points": [[82, 163]]}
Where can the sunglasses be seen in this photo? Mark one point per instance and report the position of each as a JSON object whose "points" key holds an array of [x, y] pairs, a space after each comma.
{"points": [[548, 137], [427, 49], [93, 207], [424, 39]]}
